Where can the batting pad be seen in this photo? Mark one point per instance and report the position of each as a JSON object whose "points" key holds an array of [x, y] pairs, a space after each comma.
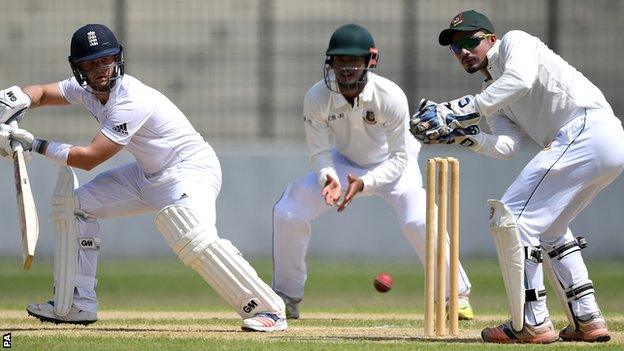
{"points": [[510, 258], [63, 208], [566, 292], [217, 261]]}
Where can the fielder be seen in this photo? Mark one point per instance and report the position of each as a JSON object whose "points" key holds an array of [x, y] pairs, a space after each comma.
{"points": [[176, 175], [356, 125], [528, 88]]}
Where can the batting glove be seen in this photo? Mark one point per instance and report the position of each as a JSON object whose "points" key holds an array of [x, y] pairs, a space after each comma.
{"points": [[13, 100], [27, 140], [5, 144]]}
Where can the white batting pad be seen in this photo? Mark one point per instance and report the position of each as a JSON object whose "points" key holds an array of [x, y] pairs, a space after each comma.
{"points": [[510, 253], [559, 268], [63, 208], [217, 261], [559, 290]]}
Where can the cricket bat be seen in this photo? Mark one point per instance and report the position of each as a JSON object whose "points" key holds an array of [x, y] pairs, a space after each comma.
{"points": [[27, 212]]}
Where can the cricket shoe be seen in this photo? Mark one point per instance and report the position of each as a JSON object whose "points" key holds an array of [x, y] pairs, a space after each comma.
{"points": [[45, 313], [292, 306], [264, 322], [591, 328], [464, 310], [530, 334]]}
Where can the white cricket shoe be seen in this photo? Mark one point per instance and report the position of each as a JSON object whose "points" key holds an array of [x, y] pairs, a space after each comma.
{"points": [[45, 313], [264, 322]]}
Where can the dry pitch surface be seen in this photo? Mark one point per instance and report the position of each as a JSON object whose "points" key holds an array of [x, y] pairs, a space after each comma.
{"points": [[225, 325]]}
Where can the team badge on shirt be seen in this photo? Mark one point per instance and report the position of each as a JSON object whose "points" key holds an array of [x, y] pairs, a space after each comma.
{"points": [[370, 117]]}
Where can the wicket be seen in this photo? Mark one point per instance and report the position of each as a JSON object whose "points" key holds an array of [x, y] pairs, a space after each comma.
{"points": [[437, 275]]}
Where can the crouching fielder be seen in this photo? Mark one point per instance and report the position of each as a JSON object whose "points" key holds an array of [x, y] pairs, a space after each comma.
{"points": [[176, 174], [528, 88]]}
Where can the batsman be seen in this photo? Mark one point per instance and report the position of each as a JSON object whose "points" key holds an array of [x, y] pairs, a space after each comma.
{"points": [[176, 175], [530, 89]]}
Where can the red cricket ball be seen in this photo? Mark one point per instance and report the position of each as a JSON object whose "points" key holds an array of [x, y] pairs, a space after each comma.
{"points": [[383, 282]]}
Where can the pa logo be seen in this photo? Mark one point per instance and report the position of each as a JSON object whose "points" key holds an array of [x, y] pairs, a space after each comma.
{"points": [[6, 341]]}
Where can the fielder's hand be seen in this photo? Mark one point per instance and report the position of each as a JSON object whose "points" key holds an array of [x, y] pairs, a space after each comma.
{"points": [[356, 185], [12, 101], [331, 191]]}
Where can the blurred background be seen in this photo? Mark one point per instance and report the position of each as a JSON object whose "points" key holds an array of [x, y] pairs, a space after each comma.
{"points": [[239, 70]]}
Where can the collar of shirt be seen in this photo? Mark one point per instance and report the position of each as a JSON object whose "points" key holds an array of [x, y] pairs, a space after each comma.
{"points": [[492, 54], [365, 96], [116, 88]]}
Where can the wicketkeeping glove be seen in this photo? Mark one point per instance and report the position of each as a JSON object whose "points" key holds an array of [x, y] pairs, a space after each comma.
{"points": [[461, 136], [427, 124], [460, 113]]}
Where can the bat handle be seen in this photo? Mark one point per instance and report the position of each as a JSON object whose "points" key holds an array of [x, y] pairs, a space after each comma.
{"points": [[15, 145]]}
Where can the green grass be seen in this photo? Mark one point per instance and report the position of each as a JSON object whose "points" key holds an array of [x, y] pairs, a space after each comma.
{"points": [[340, 288]]}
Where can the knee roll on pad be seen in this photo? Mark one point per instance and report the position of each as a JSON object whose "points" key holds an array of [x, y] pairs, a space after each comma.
{"points": [[217, 261], [184, 232]]}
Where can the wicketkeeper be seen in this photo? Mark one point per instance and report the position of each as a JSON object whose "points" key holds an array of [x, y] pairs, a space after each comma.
{"points": [[530, 89], [176, 175]]}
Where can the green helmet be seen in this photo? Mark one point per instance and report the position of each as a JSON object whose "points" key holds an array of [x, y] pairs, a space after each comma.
{"points": [[350, 40]]}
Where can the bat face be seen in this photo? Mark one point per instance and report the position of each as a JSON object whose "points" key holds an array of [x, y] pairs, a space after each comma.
{"points": [[27, 212]]}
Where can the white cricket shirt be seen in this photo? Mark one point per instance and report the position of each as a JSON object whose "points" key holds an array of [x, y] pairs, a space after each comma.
{"points": [[535, 89], [151, 127], [373, 133]]}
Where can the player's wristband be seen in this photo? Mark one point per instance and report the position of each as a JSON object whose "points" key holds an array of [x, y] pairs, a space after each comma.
{"points": [[58, 152], [39, 146]]}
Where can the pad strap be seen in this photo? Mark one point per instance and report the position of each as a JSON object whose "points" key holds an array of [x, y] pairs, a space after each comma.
{"points": [[562, 251], [577, 291], [532, 295], [533, 253]]}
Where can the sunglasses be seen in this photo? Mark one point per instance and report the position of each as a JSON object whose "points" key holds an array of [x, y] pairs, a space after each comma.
{"points": [[468, 43]]}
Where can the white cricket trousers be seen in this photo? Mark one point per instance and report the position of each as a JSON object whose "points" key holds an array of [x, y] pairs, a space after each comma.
{"points": [[554, 187], [128, 191], [302, 202]]}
